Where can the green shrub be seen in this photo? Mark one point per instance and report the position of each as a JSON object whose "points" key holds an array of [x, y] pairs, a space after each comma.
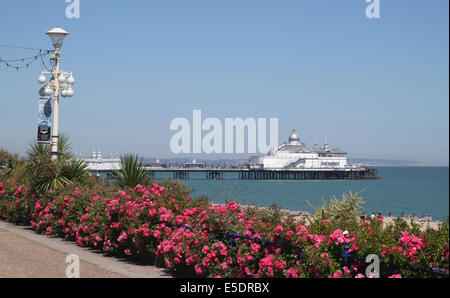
{"points": [[347, 209], [131, 172]]}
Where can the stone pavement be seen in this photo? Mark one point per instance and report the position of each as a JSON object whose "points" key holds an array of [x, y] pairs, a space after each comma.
{"points": [[25, 254]]}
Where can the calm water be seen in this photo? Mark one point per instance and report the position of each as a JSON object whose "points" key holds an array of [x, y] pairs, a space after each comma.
{"points": [[419, 190]]}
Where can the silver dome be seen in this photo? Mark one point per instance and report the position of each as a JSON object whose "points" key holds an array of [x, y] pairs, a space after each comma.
{"points": [[294, 136]]}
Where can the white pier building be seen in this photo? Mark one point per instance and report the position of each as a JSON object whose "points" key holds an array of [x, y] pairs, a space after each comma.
{"points": [[97, 163], [296, 155]]}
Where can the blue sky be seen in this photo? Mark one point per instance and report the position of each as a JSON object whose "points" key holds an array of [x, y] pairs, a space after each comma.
{"points": [[377, 88]]}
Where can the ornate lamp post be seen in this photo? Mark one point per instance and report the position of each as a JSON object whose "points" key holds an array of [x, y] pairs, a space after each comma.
{"points": [[60, 83]]}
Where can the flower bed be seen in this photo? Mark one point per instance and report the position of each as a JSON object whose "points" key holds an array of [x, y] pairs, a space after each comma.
{"points": [[223, 240]]}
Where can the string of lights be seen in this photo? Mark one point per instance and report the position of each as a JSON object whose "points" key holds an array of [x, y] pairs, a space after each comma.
{"points": [[43, 61], [18, 47], [26, 62]]}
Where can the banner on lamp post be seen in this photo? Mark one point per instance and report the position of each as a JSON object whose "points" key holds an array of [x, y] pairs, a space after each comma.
{"points": [[45, 120]]}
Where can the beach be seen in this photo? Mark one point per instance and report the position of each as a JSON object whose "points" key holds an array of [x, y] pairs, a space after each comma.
{"points": [[303, 215]]}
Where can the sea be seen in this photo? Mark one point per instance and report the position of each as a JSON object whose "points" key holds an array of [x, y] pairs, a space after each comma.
{"points": [[423, 191]]}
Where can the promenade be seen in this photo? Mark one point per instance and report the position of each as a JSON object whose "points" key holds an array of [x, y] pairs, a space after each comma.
{"points": [[25, 254]]}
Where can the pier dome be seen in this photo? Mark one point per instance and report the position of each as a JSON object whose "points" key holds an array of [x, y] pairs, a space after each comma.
{"points": [[294, 138]]}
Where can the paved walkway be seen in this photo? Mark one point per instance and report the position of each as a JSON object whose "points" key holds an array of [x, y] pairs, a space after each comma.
{"points": [[24, 253]]}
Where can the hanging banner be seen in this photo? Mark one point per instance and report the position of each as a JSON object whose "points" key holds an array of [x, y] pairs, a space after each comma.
{"points": [[45, 120]]}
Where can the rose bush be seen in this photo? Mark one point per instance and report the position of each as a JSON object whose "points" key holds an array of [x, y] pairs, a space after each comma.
{"points": [[194, 237]]}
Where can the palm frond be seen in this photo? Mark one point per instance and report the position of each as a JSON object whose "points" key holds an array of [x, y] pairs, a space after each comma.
{"points": [[38, 149], [350, 207], [131, 172], [64, 147], [75, 170], [52, 183]]}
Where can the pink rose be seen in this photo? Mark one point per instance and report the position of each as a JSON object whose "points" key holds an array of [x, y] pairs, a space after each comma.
{"points": [[278, 230]]}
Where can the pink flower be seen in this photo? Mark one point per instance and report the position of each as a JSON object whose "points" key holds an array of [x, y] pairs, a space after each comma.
{"points": [[266, 262], [122, 236], [156, 234], [412, 244], [198, 270], [346, 270], [279, 265], [318, 239], [232, 206], [224, 266], [205, 249], [278, 230], [292, 273], [301, 230], [152, 212], [18, 191], [324, 256], [255, 248], [188, 212], [395, 276], [289, 234], [76, 192]]}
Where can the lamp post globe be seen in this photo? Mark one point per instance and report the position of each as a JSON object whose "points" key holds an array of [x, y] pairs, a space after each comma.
{"points": [[70, 92], [70, 80], [42, 91], [42, 79], [57, 36], [48, 91], [61, 79]]}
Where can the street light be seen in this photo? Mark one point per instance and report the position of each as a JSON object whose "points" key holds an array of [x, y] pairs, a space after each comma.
{"points": [[57, 82], [57, 36]]}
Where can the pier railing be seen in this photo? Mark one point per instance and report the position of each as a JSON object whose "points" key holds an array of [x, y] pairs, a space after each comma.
{"points": [[265, 174]]}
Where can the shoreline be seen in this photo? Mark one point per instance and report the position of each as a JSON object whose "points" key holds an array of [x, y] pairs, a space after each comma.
{"points": [[301, 215]]}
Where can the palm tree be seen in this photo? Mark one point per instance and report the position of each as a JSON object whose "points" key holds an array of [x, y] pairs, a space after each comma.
{"points": [[55, 180], [48, 174], [131, 172], [75, 171], [37, 149]]}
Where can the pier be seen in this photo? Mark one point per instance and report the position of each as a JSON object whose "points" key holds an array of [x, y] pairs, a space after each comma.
{"points": [[183, 173], [290, 161]]}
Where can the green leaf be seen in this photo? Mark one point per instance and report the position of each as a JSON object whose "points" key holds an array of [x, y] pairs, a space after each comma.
{"points": [[131, 173]]}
